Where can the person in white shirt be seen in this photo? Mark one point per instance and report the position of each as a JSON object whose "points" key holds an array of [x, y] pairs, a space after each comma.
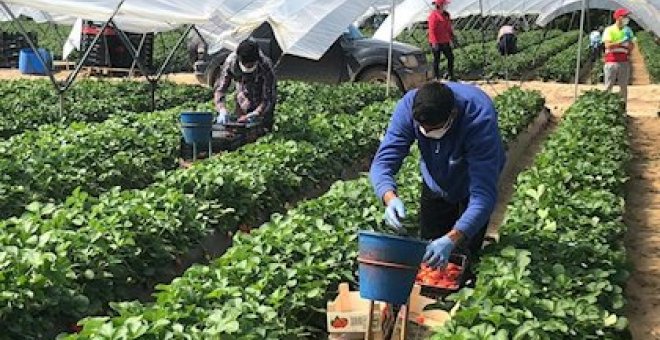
{"points": [[595, 43], [506, 40]]}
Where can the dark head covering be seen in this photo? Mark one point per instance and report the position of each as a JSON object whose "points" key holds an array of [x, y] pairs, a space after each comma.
{"points": [[433, 103], [248, 51]]}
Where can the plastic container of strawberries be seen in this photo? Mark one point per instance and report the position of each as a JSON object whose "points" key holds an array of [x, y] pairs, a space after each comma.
{"points": [[437, 292]]}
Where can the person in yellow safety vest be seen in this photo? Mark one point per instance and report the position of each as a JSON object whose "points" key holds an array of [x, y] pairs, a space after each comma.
{"points": [[618, 40]]}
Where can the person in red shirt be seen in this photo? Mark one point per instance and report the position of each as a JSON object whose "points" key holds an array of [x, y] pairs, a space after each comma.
{"points": [[441, 35]]}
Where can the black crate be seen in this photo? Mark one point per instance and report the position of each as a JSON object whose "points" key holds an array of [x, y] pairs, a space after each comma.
{"points": [[109, 49], [120, 56]]}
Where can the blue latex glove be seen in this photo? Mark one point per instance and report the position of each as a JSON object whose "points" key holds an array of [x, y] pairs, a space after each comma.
{"points": [[437, 252], [393, 212], [250, 117]]}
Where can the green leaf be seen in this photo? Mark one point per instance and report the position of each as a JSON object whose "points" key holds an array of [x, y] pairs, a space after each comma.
{"points": [[610, 320]]}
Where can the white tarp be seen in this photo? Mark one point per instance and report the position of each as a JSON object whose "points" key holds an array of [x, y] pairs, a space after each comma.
{"points": [[302, 28], [305, 28], [377, 7], [406, 14], [73, 40], [644, 12]]}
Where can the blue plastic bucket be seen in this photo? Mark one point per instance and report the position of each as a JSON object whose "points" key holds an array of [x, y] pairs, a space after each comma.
{"points": [[28, 62], [196, 127], [388, 266]]}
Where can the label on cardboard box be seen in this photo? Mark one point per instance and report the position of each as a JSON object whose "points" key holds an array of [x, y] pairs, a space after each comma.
{"points": [[351, 322]]}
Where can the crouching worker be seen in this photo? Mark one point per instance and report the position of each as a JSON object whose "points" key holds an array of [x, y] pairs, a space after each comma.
{"points": [[256, 88], [462, 155], [507, 41]]}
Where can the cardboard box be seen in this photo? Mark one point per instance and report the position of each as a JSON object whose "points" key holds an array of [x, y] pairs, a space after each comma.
{"points": [[347, 315]]}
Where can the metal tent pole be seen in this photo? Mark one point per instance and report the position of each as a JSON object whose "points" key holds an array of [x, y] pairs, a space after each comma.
{"points": [[72, 76], [483, 41], [63, 86], [166, 63], [389, 52], [23, 31], [136, 59], [139, 50], [131, 50], [579, 53]]}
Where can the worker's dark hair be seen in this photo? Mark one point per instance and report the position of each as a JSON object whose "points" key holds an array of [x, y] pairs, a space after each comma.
{"points": [[433, 103], [248, 51]]}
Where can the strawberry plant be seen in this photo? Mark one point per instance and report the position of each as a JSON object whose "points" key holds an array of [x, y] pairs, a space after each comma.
{"points": [[471, 59], [419, 37], [561, 66], [97, 248], [597, 73], [518, 64], [273, 283], [129, 150], [650, 50], [516, 109], [559, 268], [28, 104]]}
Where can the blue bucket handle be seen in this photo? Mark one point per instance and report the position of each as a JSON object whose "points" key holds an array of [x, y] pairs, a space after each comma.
{"points": [[387, 264]]}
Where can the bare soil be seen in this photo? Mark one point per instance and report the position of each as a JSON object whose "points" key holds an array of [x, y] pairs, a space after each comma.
{"points": [[640, 75], [643, 220], [643, 100]]}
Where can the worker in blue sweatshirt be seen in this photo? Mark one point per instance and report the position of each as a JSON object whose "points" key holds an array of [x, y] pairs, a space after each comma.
{"points": [[455, 126]]}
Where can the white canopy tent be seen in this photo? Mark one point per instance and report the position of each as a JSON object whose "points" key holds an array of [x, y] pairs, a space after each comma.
{"points": [[409, 12], [645, 12], [305, 28]]}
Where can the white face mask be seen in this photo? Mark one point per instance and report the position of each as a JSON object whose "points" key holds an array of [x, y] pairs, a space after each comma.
{"points": [[434, 134], [438, 133], [625, 21], [247, 69]]}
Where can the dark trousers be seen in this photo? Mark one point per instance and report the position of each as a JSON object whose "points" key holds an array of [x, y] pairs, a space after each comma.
{"points": [[438, 50], [595, 52], [507, 44], [269, 119], [437, 217]]}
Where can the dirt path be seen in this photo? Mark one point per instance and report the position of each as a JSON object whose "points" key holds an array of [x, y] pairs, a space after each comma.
{"points": [[640, 75], [524, 162], [643, 100], [643, 220]]}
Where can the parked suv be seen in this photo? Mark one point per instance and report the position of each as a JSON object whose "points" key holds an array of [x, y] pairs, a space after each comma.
{"points": [[352, 57]]}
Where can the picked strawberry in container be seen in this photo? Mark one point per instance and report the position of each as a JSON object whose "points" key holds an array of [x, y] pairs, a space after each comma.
{"points": [[443, 281]]}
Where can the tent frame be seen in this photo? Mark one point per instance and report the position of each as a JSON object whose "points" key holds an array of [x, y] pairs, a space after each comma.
{"points": [[135, 54], [61, 87]]}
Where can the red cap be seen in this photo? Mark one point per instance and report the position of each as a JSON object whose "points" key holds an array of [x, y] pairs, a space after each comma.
{"points": [[621, 12]]}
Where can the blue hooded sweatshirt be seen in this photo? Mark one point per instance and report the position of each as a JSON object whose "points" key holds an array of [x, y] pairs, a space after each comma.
{"points": [[465, 162]]}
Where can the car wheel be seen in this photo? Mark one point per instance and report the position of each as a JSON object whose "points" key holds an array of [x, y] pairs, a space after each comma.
{"points": [[378, 75]]}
